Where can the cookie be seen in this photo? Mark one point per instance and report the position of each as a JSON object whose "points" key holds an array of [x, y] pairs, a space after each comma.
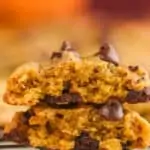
{"points": [[78, 103], [76, 81], [83, 128], [142, 108]]}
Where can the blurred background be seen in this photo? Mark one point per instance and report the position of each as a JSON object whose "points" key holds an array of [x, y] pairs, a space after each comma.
{"points": [[31, 29]]}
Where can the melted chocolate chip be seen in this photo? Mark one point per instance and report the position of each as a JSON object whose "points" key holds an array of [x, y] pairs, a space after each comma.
{"points": [[24, 120], [42, 148], [48, 127], [18, 136], [60, 116], [138, 96], [66, 46], [85, 142], [67, 86], [56, 55], [26, 116], [133, 68], [112, 110], [125, 146], [108, 53], [64, 99]]}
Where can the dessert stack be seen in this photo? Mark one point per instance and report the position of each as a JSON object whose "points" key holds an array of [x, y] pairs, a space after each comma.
{"points": [[79, 103]]}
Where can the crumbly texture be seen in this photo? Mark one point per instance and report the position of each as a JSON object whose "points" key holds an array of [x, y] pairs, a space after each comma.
{"points": [[60, 129], [94, 81]]}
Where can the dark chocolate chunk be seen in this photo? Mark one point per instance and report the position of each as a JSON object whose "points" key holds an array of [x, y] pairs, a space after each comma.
{"points": [[42, 148], [108, 53], [64, 99], [18, 136], [67, 86], [138, 96], [60, 116], [24, 120], [48, 127], [64, 106], [124, 147], [133, 68], [85, 142], [112, 110], [127, 145], [56, 55], [66, 46], [26, 116]]}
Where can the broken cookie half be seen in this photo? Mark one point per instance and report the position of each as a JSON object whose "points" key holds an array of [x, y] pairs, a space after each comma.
{"points": [[84, 128], [77, 103], [90, 81]]}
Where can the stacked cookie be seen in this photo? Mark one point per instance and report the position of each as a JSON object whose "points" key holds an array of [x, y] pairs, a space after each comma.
{"points": [[79, 103]]}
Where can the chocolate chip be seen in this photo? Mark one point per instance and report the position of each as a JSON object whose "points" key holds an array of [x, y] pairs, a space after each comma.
{"points": [[112, 110], [84, 134], [17, 135], [138, 96], [108, 53], [24, 120], [66, 46], [126, 146], [48, 127], [26, 116], [96, 70], [133, 96], [64, 99], [41, 148], [56, 55], [85, 142], [133, 68], [129, 143], [60, 116], [66, 87]]}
